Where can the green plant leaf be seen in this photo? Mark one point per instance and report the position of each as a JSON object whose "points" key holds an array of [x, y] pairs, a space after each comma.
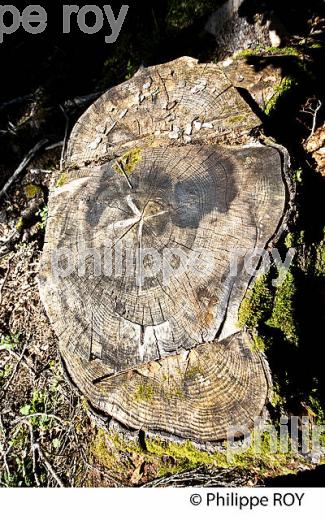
{"points": [[25, 410]]}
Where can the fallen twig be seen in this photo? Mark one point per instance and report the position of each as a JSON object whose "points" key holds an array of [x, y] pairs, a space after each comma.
{"points": [[15, 355], [38, 414], [38, 171], [319, 104], [31, 154], [33, 448], [3, 451], [48, 466], [65, 137], [5, 277], [81, 100], [14, 372], [53, 146]]}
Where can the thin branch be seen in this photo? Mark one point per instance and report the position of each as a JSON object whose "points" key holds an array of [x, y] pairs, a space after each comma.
{"points": [[4, 453], [48, 466], [53, 146], [27, 159], [5, 277], [65, 137], [39, 414], [38, 171], [18, 358], [33, 447], [319, 104], [14, 372], [81, 100]]}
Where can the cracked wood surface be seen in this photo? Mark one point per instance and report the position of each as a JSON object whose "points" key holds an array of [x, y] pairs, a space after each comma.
{"points": [[160, 176]]}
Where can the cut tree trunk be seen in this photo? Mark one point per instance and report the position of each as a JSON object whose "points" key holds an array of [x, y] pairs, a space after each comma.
{"points": [[164, 193]]}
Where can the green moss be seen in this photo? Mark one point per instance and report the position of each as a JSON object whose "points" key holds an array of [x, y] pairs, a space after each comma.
{"points": [[259, 343], [257, 304], [174, 391], [20, 224], [281, 90], [320, 259], [144, 392], [31, 190], [10, 341], [316, 46], [283, 313], [236, 119], [193, 371], [184, 455], [294, 239], [128, 161], [297, 175], [63, 179], [259, 50], [316, 407], [43, 214], [115, 453], [277, 400], [246, 53], [99, 449], [283, 51]]}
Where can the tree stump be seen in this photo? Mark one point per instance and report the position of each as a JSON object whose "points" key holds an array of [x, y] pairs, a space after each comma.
{"points": [[162, 187]]}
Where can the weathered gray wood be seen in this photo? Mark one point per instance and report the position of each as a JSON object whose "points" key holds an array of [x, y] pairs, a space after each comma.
{"points": [[177, 103], [199, 394], [163, 161]]}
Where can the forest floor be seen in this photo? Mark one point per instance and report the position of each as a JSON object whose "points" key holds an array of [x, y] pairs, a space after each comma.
{"points": [[49, 436]]}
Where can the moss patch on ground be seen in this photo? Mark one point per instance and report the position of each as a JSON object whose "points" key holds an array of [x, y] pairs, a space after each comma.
{"points": [[262, 454], [31, 190]]}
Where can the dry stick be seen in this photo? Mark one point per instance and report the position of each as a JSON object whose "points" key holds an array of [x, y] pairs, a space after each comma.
{"points": [[14, 372], [48, 466], [33, 447], [106, 474], [65, 137], [319, 104], [54, 145], [4, 453], [39, 414], [5, 277], [23, 361], [36, 447], [38, 171], [31, 154], [81, 100]]}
